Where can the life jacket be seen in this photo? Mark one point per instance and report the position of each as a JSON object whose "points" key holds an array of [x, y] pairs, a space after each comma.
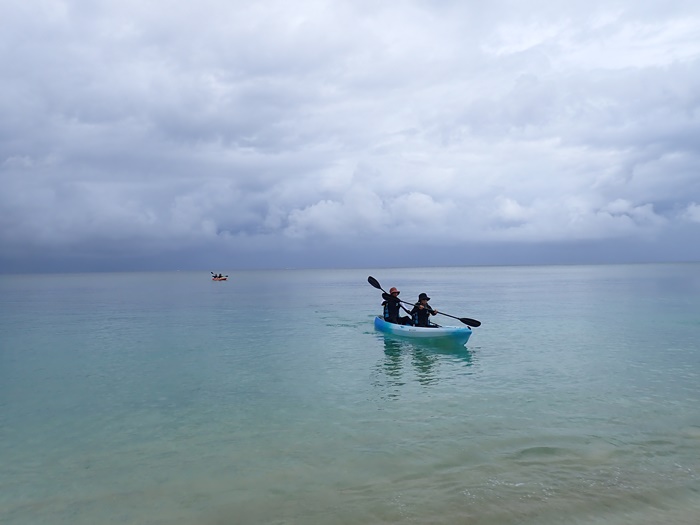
{"points": [[421, 317]]}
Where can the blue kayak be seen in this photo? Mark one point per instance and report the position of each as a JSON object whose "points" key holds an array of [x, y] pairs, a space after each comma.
{"points": [[453, 334]]}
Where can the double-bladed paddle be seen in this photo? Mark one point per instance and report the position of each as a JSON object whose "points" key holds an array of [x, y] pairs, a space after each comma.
{"points": [[469, 322]]}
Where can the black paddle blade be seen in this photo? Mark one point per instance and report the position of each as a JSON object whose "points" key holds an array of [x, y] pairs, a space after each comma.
{"points": [[371, 280], [470, 322]]}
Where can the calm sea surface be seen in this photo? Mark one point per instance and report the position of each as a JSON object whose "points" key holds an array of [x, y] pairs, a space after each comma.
{"points": [[145, 398]]}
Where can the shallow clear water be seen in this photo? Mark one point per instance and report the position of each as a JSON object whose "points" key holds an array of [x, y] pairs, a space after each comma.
{"points": [[270, 399]]}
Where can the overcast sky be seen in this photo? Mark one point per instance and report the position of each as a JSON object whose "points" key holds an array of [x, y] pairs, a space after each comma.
{"points": [[223, 134]]}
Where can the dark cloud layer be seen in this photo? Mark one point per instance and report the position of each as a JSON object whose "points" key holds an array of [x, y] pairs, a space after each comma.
{"points": [[165, 135]]}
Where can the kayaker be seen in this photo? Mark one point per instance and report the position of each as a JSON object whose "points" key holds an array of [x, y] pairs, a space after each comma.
{"points": [[392, 307], [422, 311]]}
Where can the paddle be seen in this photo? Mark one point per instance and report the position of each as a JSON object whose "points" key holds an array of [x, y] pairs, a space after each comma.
{"points": [[469, 322]]}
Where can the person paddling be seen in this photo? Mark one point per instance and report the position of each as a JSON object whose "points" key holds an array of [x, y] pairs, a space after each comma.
{"points": [[422, 311], [392, 308]]}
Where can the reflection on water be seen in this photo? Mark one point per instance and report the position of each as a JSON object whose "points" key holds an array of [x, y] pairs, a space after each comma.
{"points": [[420, 361], [393, 362]]}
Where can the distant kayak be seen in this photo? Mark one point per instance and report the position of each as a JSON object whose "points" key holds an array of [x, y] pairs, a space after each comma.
{"points": [[456, 334], [219, 278]]}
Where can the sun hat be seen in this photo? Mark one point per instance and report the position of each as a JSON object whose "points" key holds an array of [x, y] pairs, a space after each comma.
{"points": [[423, 296], [393, 289]]}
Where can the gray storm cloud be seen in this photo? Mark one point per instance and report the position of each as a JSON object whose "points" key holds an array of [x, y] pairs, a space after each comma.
{"points": [[269, 128]]}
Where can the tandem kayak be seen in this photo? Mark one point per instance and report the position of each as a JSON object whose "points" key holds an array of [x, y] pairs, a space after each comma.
{"points": [[453, 334], [219, 278]]}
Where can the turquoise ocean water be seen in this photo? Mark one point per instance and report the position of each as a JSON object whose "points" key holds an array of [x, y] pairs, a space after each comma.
{"points": [[145, 398]]}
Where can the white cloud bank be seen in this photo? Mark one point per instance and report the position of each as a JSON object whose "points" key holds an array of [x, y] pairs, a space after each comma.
{"points": [[263, 128]]}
